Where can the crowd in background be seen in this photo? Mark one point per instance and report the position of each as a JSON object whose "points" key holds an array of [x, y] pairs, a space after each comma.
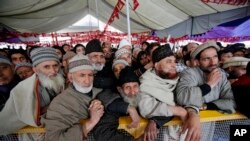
{"points": [[57, 87]]}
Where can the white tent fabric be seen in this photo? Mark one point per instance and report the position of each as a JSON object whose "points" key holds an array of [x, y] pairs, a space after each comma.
{"points": [[53, 15]]}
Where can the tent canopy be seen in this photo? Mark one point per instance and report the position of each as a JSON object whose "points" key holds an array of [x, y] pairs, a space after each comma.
{"points": [[166, 17]]}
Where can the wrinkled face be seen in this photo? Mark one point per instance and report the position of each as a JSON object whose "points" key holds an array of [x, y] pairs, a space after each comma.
{"points": [[107, 52], [48, 68], [59, 53], [80, 50], [83, 78], [96, 57], [18, 58], [24, 72], [208, 60], [144, 60], [130, 89], [117, 69], [6, 73], [226, 56], [166, 68], [127, 57]]}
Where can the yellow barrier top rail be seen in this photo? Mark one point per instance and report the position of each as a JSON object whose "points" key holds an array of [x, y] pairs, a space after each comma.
{"points": [[205, 116]]}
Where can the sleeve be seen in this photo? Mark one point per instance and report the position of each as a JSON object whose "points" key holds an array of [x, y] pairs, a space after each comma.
{"points": [[150, 107], [60, 125], [160, 120], [188, 93], [106, 130], [118, 106], [9, 121], [225, 102]]}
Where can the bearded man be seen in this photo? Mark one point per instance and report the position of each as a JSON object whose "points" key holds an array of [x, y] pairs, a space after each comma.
{"points": [[29, 100], [77, 102], [156, 100], [104, 77]]}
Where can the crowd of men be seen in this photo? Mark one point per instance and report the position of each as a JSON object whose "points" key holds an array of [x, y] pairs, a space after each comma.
{"points": [[77, 92]]}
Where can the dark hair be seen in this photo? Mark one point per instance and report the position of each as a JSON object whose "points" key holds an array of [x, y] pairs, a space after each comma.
{"points": [[59, 48], [140, 54], [78, 45], [150, 47], [18, 51], [225, 50]]}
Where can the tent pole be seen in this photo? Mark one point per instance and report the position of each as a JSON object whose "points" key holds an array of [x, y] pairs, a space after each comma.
{"points": [[128, 21], [97, 14]]}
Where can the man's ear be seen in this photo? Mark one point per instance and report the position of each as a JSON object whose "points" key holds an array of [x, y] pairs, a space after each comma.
{"points": [[70, 77], [156, 65], [34, 69], [119, 88]]}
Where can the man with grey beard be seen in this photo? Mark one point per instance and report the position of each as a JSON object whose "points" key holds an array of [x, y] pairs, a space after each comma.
{"points": [[77, 102], [204, 87], [107, 128], [29, 100], [104, 77]]}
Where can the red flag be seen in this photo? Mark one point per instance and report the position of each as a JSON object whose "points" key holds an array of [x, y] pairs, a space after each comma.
{"points": [[136, 4]]}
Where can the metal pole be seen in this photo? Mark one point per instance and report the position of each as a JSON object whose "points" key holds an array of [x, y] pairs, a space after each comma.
{"points": [[128, 21], [97, 14]]}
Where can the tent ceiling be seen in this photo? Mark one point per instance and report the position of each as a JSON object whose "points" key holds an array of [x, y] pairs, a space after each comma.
{"points": [[54, 15]]}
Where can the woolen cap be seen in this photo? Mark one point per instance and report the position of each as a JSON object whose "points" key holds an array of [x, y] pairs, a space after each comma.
{"points": [[93, 46], [123, 43], [127, 75], [5, 60], [80, 62], [23, 64], [42, 54], [120, 52], [120, 61]]}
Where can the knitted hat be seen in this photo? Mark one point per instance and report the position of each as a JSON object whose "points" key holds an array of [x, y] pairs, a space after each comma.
{"points": [[79, 62], [161, 53], [120, 61], [127, 75], [93, 46], [42, 54], [69, 54], [203, 46], [23, 64], [120, 52], [123, 43], [5, 60], [236, 61]]}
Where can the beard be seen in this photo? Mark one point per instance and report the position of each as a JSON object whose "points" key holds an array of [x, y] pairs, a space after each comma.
{"points": [[167, 75], [98, 67], [55, 83], [209, 68], [82, 89], [130, 100]]}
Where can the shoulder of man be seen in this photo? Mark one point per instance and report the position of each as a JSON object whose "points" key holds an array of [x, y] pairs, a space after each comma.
{"points": [[107, 96]]}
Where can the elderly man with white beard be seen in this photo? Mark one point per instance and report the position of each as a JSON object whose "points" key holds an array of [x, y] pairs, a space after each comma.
{"points": [[29, 100], [78, 102], [104, 77]]}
